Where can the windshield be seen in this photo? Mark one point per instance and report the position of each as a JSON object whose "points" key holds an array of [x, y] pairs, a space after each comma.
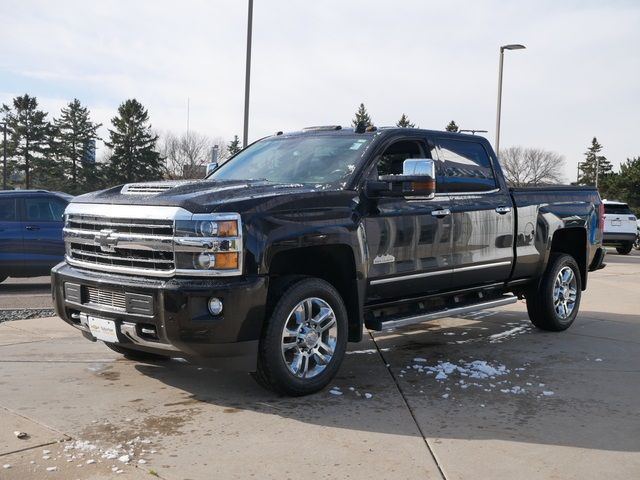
{"points": [[320, 159]]}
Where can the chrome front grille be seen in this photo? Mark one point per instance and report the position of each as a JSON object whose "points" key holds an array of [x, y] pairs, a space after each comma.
{"points": [[145, 240], [129, 245], [106, 298]]}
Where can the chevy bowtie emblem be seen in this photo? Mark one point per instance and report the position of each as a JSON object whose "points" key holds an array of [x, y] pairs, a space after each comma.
{"points": [[106, 241]]}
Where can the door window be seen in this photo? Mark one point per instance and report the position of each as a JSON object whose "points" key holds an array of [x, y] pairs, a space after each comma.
{"points": [[467, 167], [390, 162], [7, 210], [44, 209]]}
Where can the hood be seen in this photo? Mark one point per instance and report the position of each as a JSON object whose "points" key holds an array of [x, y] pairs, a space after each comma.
{"points": [[198, 196]]}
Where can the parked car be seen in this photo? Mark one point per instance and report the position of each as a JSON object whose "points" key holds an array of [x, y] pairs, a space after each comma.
{"points": [[31, 223], [636, 243], [282, 254], [620, 226]]}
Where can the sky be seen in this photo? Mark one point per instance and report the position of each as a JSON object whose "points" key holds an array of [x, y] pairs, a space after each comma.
{"points": [[315, 62]]}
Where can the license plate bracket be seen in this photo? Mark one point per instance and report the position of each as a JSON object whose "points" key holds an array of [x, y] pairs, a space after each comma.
{"points": [[103, 329]]}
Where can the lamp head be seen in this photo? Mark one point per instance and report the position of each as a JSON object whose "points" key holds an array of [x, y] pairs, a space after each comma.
{"points": [[512, 46]]}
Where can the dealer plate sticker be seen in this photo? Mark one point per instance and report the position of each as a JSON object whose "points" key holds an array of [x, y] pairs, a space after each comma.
{"points": [[103, 329]]}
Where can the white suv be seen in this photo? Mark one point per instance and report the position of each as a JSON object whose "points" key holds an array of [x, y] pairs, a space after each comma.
{"points": [[620, 226]]}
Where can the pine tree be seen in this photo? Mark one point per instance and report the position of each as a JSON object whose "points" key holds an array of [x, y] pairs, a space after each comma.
{"points": [[362, 116], [405, 123], [76, 134], [234, 146], [134, 157], [452, 127], [50, 171], [594, 166], [28, 129]]}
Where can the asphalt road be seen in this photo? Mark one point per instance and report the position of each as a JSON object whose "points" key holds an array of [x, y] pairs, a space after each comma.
{"points": [[413, 403]]}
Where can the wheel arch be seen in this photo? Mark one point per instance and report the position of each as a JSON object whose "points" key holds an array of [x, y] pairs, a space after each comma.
{"points": [[572, 241], [335, 264]]}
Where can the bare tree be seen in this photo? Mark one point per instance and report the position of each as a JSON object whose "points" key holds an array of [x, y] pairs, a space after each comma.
{"points": [[187, 154], [531, 166]]}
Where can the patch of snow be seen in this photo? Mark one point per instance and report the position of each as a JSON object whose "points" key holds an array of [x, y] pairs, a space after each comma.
{"points": [[369, 351], [548, 393], [368, 395], [335, 392], [502, 335], [52, 469], [598, 359]]}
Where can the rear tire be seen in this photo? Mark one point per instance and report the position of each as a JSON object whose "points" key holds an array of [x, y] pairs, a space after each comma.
{"points": [[625, 249], [554, 305], [131, 354], [304, 339]]}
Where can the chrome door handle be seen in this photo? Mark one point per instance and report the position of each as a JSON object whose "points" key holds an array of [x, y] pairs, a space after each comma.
{"points": [[503, 210], [441, 213]]}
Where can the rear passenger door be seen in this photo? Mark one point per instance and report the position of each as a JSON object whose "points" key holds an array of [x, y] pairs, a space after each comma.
{"points": [[11, 244], [43, 222], [483, 217]]}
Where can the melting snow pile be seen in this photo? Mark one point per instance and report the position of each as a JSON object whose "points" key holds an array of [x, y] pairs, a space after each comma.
{"points": [[478, 369]]}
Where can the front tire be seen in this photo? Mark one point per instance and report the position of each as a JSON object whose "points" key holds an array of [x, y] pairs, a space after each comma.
{"points": [[625, 249], [136, 355], [554, 305], [304, 340]]}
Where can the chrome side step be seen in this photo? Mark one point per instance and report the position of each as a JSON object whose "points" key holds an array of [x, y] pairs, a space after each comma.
{"points": [[447, 312]]}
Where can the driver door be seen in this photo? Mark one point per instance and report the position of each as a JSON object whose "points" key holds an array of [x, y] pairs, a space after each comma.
{"points": [[409, 244]]}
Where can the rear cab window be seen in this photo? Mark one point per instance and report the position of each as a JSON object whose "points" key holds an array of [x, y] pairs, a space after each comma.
{"points": [[466, 166]]}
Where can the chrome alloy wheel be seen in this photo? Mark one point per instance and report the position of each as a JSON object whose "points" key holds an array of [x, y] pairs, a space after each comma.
{"points": [[565, 290], [309, 337]]}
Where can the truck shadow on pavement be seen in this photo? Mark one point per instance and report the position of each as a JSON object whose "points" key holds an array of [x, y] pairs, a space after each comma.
{"points": [[487, 375]]}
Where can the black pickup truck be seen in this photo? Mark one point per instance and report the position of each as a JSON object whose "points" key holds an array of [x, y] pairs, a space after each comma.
{"points": [[279, 257]]}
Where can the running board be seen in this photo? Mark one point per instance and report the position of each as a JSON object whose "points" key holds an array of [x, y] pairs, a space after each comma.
{"points": [[447, 312]]}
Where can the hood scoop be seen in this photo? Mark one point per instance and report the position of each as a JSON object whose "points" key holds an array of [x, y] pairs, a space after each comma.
{"points": [[149, 188]]}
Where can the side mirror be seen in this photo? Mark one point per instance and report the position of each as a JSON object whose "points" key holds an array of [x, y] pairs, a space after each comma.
{"points": [[211, 167], [418, 179]]}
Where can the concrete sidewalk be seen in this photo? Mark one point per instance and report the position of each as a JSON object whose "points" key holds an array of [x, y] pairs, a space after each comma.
{"points": [[558, 406]]}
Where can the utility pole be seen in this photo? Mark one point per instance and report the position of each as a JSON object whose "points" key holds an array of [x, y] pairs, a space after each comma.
{"points": [[247, 78]]}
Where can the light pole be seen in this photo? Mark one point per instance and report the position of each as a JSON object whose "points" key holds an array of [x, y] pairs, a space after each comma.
{"points": [[4, 156], [247, 78], [513, 46]]}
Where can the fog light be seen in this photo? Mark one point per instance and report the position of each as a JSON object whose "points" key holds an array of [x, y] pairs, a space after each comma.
{"points": [[215, 306]]}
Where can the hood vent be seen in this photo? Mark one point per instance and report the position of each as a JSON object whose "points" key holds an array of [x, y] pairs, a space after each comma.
{"points": [[148, 188]]}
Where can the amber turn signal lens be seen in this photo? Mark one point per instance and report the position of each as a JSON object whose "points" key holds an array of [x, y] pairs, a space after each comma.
{"points": [[228, 228], [227, 261], [428, 185]]}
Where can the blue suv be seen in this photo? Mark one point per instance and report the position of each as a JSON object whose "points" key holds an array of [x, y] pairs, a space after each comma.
{"points": [[31, 224]]}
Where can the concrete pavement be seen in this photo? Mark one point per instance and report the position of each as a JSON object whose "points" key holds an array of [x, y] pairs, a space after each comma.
{"points": [[509, 402], [34, 292]]}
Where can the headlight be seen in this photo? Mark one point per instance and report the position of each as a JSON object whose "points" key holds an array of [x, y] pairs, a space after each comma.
{"points": [[209, 245], [207, 228]]}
